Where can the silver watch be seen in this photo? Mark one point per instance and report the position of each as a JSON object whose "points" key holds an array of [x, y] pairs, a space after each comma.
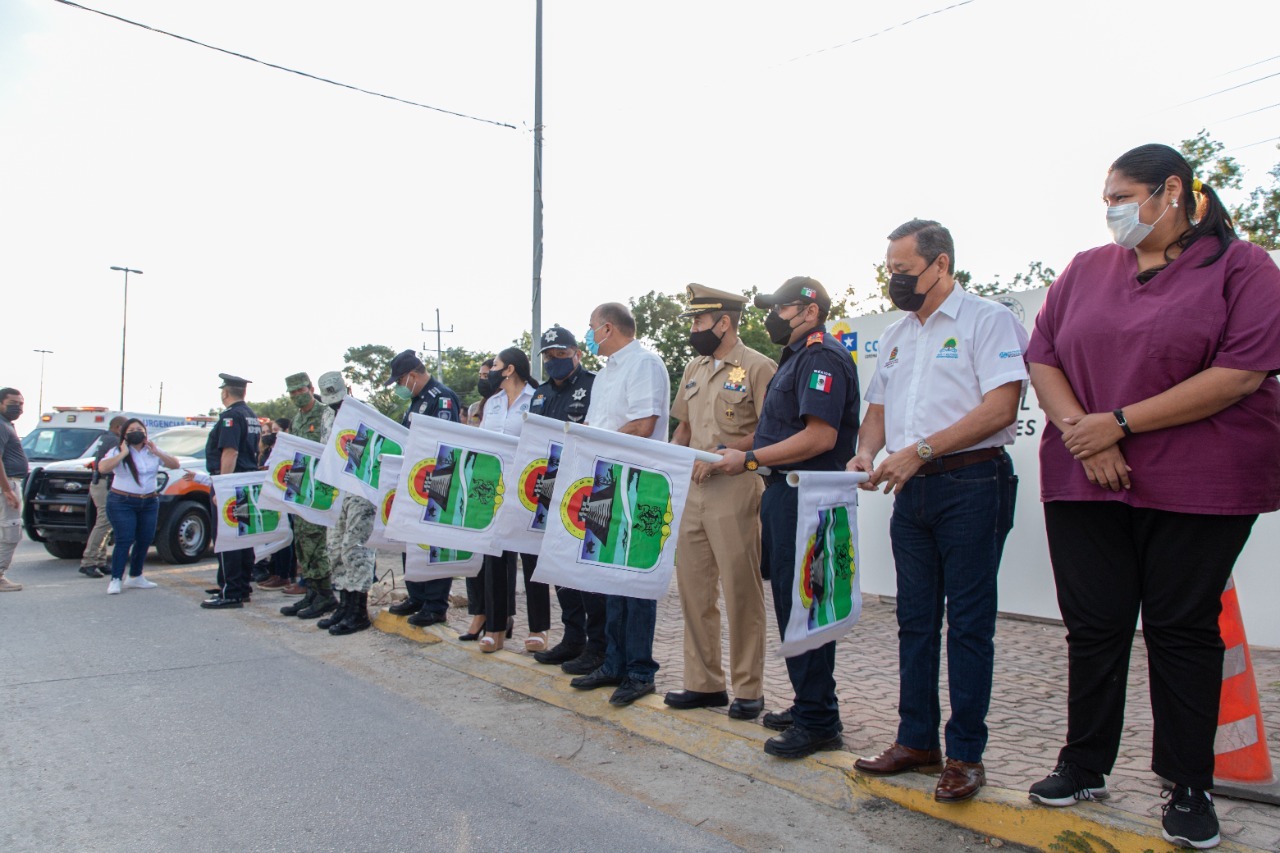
{"points": [[923, 450]]}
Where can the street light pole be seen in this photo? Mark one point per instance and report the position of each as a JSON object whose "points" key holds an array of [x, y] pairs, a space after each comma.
{"points": [[124, 326], [40, 405], [535, 327]]}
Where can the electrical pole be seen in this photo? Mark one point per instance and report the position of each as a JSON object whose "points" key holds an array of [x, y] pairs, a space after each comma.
{"points": [[160, 402], [439, 350], [40, 404], [535, 329], [124, 326]]}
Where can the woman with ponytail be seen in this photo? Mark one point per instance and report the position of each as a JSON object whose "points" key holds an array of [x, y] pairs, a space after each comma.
{"points": [[132, 503], [1154, 360]]}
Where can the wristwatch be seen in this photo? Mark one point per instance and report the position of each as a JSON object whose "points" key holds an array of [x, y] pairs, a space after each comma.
{"points": [[750, 463], [1122, 421], [923, 450]]}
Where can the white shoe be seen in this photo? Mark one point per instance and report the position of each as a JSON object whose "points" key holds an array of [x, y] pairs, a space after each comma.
{"points": [[113, 588], [139, 583]]}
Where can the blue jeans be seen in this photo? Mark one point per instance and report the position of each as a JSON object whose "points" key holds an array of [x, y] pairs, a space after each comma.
{"points": [[948, 532], [629, 625], [133, 521]]}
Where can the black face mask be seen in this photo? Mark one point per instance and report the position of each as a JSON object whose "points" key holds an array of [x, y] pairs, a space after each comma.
{"points": [[336, 406], [705, 342], [135, 438], [12, 411], [486, 386], [779, 329], [902, 291]]}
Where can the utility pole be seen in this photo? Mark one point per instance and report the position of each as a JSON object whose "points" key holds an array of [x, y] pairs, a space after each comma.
{"points": [[124, 326], [40, 404], [535, 329], [439, 350], [160, 402]]}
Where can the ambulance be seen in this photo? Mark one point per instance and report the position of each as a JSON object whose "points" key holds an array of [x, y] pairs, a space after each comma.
{"points": [[70, 432]]}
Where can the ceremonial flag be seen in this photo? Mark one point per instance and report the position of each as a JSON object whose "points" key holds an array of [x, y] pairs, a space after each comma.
{"points": [[612, 516], [359, 439], [266, 549], [826, 599], [291, 485], [382, 508], [450, 486], [426, 563], [238, 519], [528, 483]]}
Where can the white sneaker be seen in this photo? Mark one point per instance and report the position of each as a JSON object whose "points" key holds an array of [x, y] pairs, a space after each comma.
{"points": [[113, 588], [139, 583]]}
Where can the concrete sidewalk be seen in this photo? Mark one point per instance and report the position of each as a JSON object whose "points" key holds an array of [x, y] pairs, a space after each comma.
{"points": [[1027, 721]]}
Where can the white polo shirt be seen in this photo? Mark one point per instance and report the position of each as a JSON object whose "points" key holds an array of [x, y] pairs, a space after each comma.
{"points": [[507, 418], [148, 465], [633, 385], [930, 375]]}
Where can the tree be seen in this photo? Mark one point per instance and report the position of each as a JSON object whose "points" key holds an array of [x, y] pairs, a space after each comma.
{"points": [[280, 407], [1260, 219], [1037, 275], [367, 367], [658, 324], [1204, 155], [462, 372]]}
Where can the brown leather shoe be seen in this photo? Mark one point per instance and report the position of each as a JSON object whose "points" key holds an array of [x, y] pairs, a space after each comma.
{"points": [[294, 589], [273, 582], [959, 781], [900, 759]]}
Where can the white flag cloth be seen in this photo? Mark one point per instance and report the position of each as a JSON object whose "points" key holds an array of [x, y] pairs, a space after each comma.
{"points": [[614, 512], [425, 563], [359, 439], [291, 485], [266, 549], [522, 518], [238, 519], [382, 509], [450, 486], [826, 598]]}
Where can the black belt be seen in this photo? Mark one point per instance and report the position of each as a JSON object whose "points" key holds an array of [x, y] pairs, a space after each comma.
{"points": [[943, 464], [132, 495], [774, 477]]}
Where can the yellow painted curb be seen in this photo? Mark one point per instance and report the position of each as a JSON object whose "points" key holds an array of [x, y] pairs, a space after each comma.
{"points": [[827, 777]]}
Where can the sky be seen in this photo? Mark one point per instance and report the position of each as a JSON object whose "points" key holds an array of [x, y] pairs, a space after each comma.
{"points": [[279, 221]]}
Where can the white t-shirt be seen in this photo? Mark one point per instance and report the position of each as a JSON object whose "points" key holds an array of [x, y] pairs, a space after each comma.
{"points": [[633, 385], [508, 419], [147, 463], [930, 375]]}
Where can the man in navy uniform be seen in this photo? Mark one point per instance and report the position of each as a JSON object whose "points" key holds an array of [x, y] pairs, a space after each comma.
{"points": [[232, 448], [428, 601], [809, 423]]}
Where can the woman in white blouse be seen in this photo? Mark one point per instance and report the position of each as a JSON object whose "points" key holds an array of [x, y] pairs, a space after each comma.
{"points": [[504, 412], [132, 503]]}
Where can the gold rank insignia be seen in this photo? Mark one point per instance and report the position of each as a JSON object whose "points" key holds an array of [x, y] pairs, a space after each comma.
{"points": [[737, 374], [728, 413]]}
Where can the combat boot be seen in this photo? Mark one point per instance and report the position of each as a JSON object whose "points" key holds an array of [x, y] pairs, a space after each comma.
{"points": [[357, 618], [344, 601], [323, 603], [299, 605]]}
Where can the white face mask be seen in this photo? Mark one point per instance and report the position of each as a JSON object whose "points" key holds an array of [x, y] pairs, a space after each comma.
{"points": [[1126, 228]]}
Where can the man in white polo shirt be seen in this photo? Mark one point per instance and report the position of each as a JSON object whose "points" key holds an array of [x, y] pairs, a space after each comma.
{"points": [[943, 401], [631, 395]]}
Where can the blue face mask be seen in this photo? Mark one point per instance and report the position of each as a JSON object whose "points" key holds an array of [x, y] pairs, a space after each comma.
{"points": [[589, 341], [558, 368]]}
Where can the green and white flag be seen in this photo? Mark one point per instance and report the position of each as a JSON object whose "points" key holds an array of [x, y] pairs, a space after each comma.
{"points": [[239, 520], [358, 440], [291, 485], [526, 511]]}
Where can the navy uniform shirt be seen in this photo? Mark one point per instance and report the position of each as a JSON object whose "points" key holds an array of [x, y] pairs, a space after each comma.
{"points": [[237, 429], [815, 377], [567, 401], [436, 400]]}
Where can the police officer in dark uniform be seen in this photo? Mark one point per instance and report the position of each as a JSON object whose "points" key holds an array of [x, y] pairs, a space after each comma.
{"points": [[232, 448], [428, 601], [564, 396], [809, 423]]}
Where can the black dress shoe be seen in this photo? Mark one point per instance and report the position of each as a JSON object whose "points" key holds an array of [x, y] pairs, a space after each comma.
{"points": [[592, 680], [584, 664], [91, 571], [746, 709], [408, 607], [779, 721], [213, 590], [561, 652], [797, 742], [629, 691], [422, 618], [220, 603], [682, 700]]}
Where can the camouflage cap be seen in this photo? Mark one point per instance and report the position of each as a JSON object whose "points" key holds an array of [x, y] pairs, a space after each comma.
{"points": [[332, 387], [297, 382]]}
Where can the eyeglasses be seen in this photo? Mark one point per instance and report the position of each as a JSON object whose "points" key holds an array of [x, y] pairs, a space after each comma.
{"points": [[775, 309]]}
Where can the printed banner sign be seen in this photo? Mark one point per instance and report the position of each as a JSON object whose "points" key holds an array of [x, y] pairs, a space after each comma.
{"points": [[239, 520], [266, 549], [426, 563], [612, 527], [524, 514], [382, 509], [360, 438], [826, 599], [291, 484], [450, 486]]}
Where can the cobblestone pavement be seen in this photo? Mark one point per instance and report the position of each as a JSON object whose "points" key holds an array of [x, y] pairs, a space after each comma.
{"points": [[1028, 708]]}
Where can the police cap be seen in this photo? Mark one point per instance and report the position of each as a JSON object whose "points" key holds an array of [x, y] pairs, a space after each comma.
{"points": [[703, 299], [403, 363], [297, 382], [229, 381], [798, 289], [558, 337], [332, 387]]}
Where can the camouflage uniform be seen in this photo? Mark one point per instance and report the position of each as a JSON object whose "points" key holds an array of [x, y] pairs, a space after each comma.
{"points": [[352, 561], [308, 538]]}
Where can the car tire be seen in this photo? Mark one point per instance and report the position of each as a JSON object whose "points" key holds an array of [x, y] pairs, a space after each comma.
{"points": [[64, 549], [186, 534]]}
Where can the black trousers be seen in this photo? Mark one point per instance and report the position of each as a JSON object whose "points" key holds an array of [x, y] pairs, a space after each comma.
{"points": [[499, 574], [234, 570], [1110, 562], [583, 615]]}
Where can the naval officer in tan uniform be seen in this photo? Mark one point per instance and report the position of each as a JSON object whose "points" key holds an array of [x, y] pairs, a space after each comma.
{"points": [[718, 404]]}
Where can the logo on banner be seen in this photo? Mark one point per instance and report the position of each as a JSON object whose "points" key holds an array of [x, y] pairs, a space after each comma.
{"points": [[384, 511], [622, 515], [244, 514], [364, 451], [537, 482], [441, 556], [459, 487], [826, 577], [297, 480], [847, 337]]}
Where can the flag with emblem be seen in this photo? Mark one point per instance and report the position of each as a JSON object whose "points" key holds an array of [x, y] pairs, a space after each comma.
{"points": [[826, 598], [239, 519], [612, 524], [358, 440], [529, 482], [265, 549], [382, 507], [428, 563], [291, 485], [820, 380]]}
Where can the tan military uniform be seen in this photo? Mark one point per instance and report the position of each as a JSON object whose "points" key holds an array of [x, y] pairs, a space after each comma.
{"points": [[720, 528]]}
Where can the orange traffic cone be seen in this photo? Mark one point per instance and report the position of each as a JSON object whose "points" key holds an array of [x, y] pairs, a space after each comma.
{"points": [[1242, 763]]}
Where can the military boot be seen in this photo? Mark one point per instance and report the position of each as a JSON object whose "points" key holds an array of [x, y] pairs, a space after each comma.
{"points": [[357, 618], [323, 603], [299, 605], [344, 601]]}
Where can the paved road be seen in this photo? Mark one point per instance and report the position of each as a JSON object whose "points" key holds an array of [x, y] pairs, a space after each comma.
{"points": [[139, 722]]}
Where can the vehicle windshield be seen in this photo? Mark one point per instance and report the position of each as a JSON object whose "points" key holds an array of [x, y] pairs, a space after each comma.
{"points": [[183, 441], [54, 444]]}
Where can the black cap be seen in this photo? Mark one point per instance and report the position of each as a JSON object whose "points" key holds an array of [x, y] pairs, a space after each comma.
{"points": [[229, 381], [403, 363], [798, 289], [558, 337]]}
